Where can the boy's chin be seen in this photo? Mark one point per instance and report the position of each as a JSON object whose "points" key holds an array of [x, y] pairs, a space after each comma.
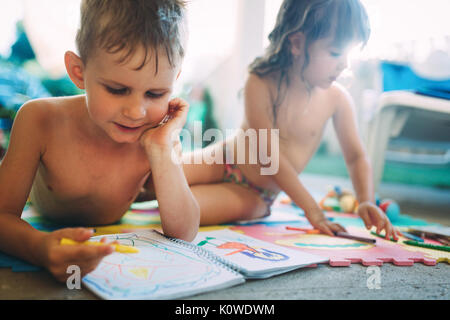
{"points": [[125, 139]]}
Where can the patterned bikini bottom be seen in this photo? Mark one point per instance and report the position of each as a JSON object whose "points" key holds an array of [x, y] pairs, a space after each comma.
{"points": [[234, 174]]}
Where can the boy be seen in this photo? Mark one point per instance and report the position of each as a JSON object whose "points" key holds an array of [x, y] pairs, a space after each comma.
{"points": [[85, 158]]}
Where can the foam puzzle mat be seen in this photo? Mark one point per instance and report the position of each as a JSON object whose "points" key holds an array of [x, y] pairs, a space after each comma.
{"points": [[341, 252]]}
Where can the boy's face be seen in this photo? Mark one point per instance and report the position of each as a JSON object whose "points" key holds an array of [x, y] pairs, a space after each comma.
{"points": [[123, 101], [326, 63]]}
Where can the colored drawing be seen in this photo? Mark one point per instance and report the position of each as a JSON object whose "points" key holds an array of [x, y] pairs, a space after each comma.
{"points": [[160, 270], [265, 254], [326, 242], [260, 253], [236, 245], [341, 252]]}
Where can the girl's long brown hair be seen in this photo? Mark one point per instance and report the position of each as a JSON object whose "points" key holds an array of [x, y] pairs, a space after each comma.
{"points": [[316, 19]]}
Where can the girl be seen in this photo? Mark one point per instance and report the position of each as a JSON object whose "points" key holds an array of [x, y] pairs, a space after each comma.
{"points": [[292, 88]]}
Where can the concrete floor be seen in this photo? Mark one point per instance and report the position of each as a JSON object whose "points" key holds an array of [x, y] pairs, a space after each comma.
{"points": [[324, 282]]}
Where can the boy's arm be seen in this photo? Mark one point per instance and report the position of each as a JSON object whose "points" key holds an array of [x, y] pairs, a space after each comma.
{"points": [[17, 171], [358, 165], [258, 111], [180, 213], [179, 210]]}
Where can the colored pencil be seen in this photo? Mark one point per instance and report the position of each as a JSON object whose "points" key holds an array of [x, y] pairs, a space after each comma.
{"points": [[350, 236], [307, 230], [427, 245], [381, 236], [411, 236]]}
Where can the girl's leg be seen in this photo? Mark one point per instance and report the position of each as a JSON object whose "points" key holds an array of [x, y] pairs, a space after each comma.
{"points": [[227, 202], [195, 173], [203, 173]]}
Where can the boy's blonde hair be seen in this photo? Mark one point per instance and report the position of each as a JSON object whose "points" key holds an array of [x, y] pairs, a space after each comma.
{"points": [[124, 25]]}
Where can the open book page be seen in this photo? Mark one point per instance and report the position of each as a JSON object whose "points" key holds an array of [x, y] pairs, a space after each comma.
{"points": [[163, 269], [252, 257]]}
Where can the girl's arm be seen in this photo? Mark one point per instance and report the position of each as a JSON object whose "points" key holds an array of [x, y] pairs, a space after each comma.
{"points": [[287, 179], [344, 122], [358, 165], [258, 110], [180, 212]]}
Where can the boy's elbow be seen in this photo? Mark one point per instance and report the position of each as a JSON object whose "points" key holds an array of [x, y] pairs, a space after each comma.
{"points": [[192, 230], [187, 230], [189, 236]]}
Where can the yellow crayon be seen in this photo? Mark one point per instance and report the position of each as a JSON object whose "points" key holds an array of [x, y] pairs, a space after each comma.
{"points": [[117, 247]]}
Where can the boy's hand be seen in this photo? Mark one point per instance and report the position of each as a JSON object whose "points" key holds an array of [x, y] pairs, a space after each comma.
{"points": [[57, 258], [161, 136], [319, 221], [373, 216]]}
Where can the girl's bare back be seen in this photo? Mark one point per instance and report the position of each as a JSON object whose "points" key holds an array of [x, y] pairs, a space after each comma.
{"points": [[301, 122]]}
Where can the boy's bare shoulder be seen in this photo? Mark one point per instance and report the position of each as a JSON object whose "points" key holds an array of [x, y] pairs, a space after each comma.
{"points": [[46, 111]]}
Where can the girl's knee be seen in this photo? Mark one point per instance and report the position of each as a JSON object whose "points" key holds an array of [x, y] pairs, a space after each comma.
{"points": [[261, 210]]}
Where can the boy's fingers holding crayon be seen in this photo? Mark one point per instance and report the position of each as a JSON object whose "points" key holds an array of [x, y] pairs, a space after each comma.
{"points": [[76, 234], [57, 257], [82, 252]]}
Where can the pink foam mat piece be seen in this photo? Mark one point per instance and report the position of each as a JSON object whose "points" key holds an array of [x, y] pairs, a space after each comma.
{"points": [[341, 252]]}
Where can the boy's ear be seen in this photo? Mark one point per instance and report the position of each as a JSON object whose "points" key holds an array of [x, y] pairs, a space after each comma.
{"points": [[75, 68], [297, 41]]}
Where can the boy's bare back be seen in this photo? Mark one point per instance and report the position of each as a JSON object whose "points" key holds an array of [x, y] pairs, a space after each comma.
{"points": [[81, 178]]}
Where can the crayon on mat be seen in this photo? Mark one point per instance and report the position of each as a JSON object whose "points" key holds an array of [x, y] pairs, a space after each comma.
{"points": [[411, 236], [381, 236], [307, 230], [443, 241], [427, 245], [349, 236], [117, 247]]}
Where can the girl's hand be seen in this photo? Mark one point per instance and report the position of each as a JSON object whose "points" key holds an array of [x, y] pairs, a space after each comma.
{"points": [[162, 136], [319, 221], [57, 258], [373, 216]]}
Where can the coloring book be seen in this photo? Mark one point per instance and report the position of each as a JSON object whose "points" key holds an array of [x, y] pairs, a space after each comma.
{"points": [[168, 268]]}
